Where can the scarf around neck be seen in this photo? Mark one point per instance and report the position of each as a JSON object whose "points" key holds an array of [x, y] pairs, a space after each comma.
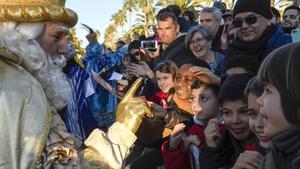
{"points": [[284, 151], [255, 48]]}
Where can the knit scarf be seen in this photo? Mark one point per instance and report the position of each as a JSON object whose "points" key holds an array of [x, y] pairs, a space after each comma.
{"points": [[254, 48], [284, 151]]}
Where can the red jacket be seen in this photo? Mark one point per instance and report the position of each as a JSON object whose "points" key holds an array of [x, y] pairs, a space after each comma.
{"points": [[160, 98], [178, 158]]}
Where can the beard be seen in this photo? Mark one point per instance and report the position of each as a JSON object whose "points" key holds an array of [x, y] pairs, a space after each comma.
{"points": [[54, 82], [47, 69], [288, 29]]}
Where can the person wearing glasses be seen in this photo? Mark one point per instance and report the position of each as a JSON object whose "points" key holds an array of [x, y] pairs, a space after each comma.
{"points": [[199, 40], [256, 35]]}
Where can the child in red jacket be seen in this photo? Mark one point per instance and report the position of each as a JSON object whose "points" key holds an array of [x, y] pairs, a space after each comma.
{"points": [[205, 106], [165, 75]]}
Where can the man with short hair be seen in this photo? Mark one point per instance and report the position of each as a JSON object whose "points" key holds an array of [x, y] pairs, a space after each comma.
{"points": [[256, 36], [173, 47], [33, 88], [212, 17], [290, 18]]}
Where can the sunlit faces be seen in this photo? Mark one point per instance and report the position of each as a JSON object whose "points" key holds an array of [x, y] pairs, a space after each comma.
{"points": [[167, 31], [204, 103], [236, 119], [54, 38], [165, 81], [271, 109], [199, 45], [290, 18], [250, 30], [256, 121], [184, 81], [208, 19]]}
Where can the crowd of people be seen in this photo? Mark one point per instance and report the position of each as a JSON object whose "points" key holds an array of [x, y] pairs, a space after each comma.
{"points": [[215, 92]]}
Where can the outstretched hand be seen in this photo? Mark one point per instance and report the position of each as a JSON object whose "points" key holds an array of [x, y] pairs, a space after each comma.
{"points": [[176, 136], [141, 69], [248, 160], [212, 133], [130, 110], [157, 110]]}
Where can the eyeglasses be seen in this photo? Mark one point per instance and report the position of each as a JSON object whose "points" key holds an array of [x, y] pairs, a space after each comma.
{"points": [[205, 20], [196, 41], [250, 20]]}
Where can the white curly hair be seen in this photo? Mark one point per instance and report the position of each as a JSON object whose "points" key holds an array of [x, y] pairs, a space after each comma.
{"points": [[20, 38]]}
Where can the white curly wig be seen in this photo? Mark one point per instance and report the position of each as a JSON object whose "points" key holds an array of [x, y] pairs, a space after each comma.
{"points": [[20, 38]]}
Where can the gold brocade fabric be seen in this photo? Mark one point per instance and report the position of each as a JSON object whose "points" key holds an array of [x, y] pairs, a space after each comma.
{"points": [[60, 150], [37, 11], [24, 117], [33, 136]]}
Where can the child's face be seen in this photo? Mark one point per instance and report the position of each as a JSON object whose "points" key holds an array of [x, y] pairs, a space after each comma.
{"points": [[256, 121], [164, 80], [184, 81], [270, 108], [236, 119], [204, 103]]}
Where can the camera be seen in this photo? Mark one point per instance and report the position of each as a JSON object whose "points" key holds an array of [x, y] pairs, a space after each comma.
{"points": [[149, 45]]}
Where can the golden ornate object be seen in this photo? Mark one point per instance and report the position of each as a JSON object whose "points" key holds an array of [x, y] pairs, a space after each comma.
{"points": [[36, 11], [130, 110]]}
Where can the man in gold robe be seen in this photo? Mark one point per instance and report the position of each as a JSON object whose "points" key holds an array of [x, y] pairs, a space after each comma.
{"points": [[33, 37]]}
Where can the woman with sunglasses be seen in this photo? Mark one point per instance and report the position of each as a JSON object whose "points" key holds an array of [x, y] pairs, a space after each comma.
{"points": [[256, 35]]}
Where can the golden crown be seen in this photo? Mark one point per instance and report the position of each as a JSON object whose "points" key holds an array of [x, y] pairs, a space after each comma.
{"points": [[36, 11]]}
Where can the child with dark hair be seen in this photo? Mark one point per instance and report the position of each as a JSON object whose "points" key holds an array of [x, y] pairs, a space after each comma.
{"points": [[252, 159], [239, 64], [205, 106], [253, 91], [165, 75], [222, 150], [280, 106]]}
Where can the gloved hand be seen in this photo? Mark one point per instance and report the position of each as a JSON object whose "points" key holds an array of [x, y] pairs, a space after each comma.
{"points": [[130, 111]]}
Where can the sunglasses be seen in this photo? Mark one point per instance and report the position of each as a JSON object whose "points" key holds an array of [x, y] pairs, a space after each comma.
{"points": [[250, 20]]}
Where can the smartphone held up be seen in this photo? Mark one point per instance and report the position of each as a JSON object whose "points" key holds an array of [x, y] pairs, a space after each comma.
{"points": [[149, 45]]}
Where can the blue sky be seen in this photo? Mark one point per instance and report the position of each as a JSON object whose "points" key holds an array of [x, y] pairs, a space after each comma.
{"points": [[95, 13]]}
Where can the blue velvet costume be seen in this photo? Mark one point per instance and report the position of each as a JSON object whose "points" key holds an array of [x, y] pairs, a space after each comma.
{"points": [[103, 104]]}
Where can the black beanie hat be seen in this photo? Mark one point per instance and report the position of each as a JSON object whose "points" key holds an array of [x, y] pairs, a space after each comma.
{"points": [[261, 7]]}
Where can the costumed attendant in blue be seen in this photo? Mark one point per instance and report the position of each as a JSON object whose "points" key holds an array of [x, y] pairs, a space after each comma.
{"points": [[78, 118], [103, 104]]}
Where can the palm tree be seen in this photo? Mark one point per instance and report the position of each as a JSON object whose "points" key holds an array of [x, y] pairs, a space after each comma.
{"points": [[184, 4], [282, 4], [80, 51]]}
